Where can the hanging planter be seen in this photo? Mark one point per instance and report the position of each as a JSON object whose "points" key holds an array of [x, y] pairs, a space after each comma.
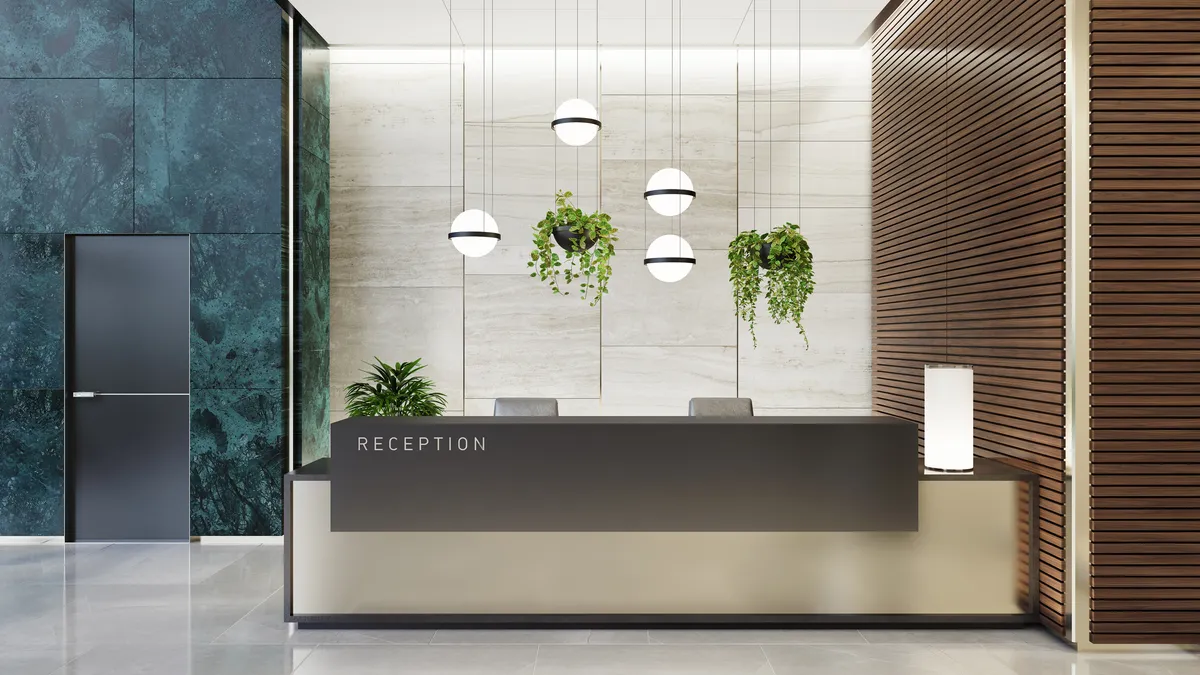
{"points": [[569, 240], [783, 258], [587, 243]]}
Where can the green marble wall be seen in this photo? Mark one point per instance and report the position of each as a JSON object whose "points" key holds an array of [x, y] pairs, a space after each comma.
{"points": [[312, 356], [148, 116]]}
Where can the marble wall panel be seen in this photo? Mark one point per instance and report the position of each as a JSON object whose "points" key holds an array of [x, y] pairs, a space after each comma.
{"points": [[313, 395], [31, 311], [396, 124], [314, 71], [537, 171], [237, 464], [79, 38], [804, 121], [665, 127], [395, 237], [236, 319], [833, 372], [207, 39], [812, 173], [567, 407], [835, 174], [522, 340], [642, 311], [661, 380], [397, 324], [817, 75], [314, 131], [314, 252], [519, 85], [31, 462], [66, 155], [697, 71], [506, 134], [769, 174], [208, 156]]}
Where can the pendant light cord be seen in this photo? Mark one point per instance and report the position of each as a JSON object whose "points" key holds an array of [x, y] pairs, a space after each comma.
{"points": [[645, 115], [674, 160], [577, 181]]}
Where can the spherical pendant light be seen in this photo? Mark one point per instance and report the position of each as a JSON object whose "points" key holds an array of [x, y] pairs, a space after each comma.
{"points": [[576, 122], [669, 258], [474, 233], [670, 192]]}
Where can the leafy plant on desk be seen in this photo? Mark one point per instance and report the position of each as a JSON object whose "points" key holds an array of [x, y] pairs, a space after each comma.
{"points": [[783, 258], [394, 391], [587, 241]]}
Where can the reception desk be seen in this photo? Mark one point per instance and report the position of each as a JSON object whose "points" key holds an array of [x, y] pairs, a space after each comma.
{"points": [[651, 521]]}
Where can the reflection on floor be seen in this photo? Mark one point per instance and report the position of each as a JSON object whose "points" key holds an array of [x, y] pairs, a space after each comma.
{"points": [[178, 609]]}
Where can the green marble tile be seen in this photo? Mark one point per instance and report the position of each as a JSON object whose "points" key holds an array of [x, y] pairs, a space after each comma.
{"points": [[314, 131], [314, 405], [314, 70], [314, 253], [237, 311], [207, 38], [66, 38], [31, 463], [238, 462], [210, 156], [66, 155], [31, 311]]}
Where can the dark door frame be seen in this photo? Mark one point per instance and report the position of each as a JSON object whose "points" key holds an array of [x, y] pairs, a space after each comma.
{"points": [[69, 462]]}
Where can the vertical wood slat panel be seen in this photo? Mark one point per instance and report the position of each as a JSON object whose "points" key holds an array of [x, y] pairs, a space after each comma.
{"points": [[969, 231], [1145, 231]]}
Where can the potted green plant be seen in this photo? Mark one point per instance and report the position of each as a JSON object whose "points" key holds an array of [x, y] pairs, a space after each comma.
{"points": [[587, 242], [783, 258], [394, 391]]}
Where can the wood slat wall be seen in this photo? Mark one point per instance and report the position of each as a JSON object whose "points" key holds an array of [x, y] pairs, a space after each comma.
{"points": [[1145, 233], [969, 231]]}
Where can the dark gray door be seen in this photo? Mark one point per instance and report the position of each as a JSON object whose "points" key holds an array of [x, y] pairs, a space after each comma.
{"points": [[127, 363]]}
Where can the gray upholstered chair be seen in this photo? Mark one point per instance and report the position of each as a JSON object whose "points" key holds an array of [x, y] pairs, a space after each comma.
{"points": [[721, 407], [526, 407]]}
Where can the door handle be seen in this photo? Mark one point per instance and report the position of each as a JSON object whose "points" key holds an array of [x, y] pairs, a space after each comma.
{"points": [[84, 394]]}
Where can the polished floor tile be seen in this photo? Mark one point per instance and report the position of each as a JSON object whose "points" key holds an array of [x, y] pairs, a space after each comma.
{"points": [[192, 609]]}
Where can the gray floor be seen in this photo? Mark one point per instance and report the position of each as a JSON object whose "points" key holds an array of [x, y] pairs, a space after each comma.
{"points": [[183, 609]]}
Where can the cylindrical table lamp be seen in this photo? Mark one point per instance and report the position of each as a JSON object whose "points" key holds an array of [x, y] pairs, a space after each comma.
{"points": [[949, 418]]}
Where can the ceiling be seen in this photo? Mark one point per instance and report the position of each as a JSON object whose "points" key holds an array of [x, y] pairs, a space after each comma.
{"points": [[613, 23]]}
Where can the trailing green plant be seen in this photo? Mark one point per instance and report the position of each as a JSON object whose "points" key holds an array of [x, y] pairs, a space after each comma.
{"points": [[787, 267], [394, 391], [588, 266]]}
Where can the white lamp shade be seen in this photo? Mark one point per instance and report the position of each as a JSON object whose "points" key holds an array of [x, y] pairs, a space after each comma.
{"points": [[949, 418], [669, 258], [670, 192], [576, 122], [474, 233]]}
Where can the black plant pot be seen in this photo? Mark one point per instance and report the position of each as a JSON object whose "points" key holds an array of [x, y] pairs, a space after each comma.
{"points": [[764, 256], [568, 240]]}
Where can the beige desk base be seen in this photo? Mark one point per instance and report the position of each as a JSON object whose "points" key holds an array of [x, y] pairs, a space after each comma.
{"points": [[964, 562]]}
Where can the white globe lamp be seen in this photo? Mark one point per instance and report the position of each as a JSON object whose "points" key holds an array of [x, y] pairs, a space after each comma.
{"points": [[669, 258], [576, 122], [670, 192], [474, 233]]}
